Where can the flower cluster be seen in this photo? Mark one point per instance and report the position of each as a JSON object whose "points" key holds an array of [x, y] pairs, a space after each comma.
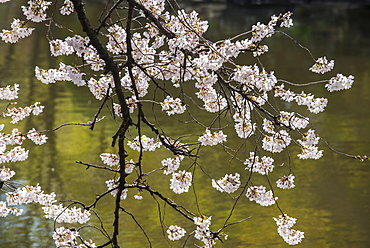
{"points": [[202, 232], [5, 211], [286, 182], [109, 159], [24, 195], [322, 65], [16, 138], [59, 47], [277, 142], [228, 183], [80, 44], [261, 31], [65, 237], [19, 30], [250, 76], [9, 92], [6, 174], [291, 120], [143, 143], [260, 195], [67, 8], [140, 84], [187, 36], [340, 82], [260, 50], [285, 224], [14, 155], [173, 106], [129, 166], [18, 114], [36, 11], [117, 39], [180, 181], [171, 164], [175, 232], [92, 58], [314, 105], [263, 167], [29, 194], [209, 139], [308, 146], [112, 185], [99, 88], [62, 214], [36, 137], [64, 73]]}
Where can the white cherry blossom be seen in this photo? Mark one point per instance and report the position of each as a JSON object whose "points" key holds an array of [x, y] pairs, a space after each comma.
{"points": [[340, 82], [143, 143], [212, 139], [286, 182], [322, 65], [175, 232], [228, 183], [181, 181]]}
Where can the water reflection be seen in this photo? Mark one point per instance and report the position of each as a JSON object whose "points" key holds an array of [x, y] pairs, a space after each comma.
{"points": [[331, 200]]}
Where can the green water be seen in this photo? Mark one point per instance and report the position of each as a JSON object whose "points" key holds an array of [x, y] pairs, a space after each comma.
{"points": [[331, 200]]}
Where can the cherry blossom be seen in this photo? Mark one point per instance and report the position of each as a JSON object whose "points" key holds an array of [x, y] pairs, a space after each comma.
{"points": [[277, 142], [67, 8], [36, 11], [117, 39], [173, 106], [19, 30], [14, 155], [79, 44], [175, 232], [285, 224], [285, 95], [59, 47], [109, 159], [18, 114], [92, 58], [99, 88], [9, 92], [340, 82], [37, 137], [6, 174], [322, 65], [62, 214], [171, 164], [209, 139], [228, 183], [286, 182], [138, 197], [65, 237], [143, 143], [111, 184], [260, 195], [292, 120], [29, 194], [180, 181], [263, 167]]}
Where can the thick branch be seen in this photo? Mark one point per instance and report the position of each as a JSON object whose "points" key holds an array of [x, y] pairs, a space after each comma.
{"points": [[110, 64]]}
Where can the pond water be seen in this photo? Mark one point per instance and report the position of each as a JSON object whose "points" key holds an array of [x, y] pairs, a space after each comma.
{"points": [[332, 198]]}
